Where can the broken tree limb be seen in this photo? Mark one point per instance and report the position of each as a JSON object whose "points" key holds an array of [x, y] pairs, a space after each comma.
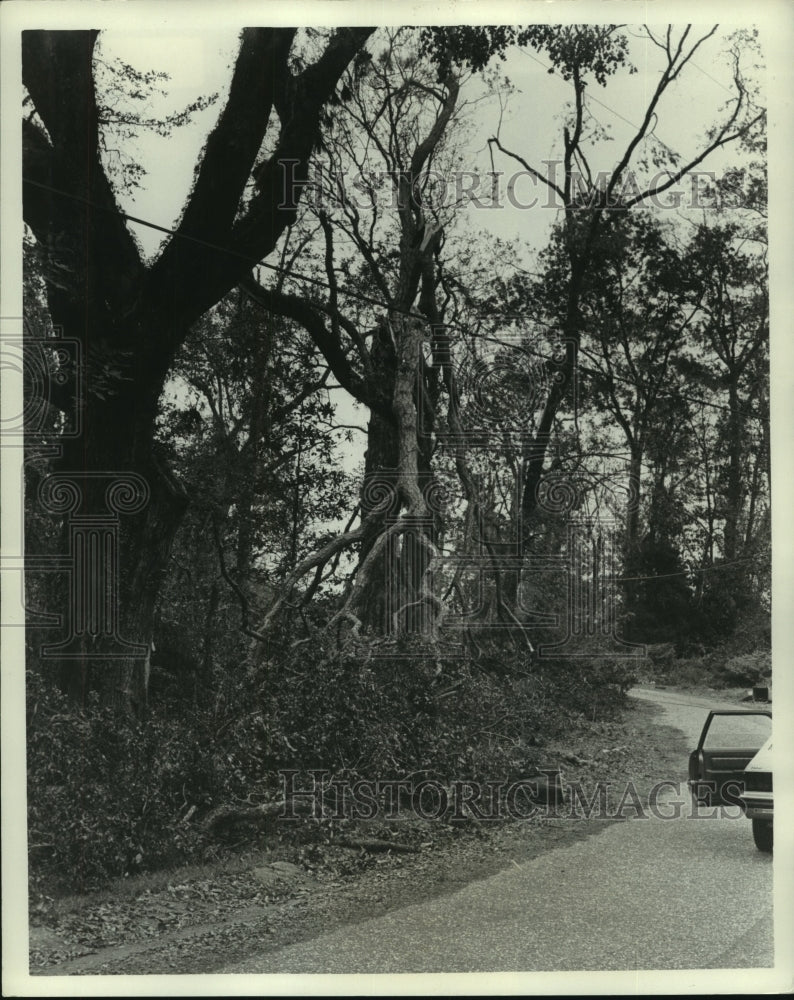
{"points": [[319, 557], [374, 845], [226, 817]]}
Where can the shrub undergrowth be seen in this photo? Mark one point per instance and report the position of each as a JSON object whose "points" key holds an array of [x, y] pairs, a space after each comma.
{"points": [[109, 795]]}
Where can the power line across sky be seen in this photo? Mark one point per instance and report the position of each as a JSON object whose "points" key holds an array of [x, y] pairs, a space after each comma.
{"points": [[349, 293]]}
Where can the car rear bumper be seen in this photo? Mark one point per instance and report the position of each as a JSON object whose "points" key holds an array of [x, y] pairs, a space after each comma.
{"points": [[757, 805]]}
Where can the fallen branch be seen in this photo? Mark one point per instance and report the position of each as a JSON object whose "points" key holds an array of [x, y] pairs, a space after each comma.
{"points": [[370, 844], [226, 817], [189, 814], [317, 558]]}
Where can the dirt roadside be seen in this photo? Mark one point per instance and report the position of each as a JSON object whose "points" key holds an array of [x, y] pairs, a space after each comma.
{"points": [[196, 920]]}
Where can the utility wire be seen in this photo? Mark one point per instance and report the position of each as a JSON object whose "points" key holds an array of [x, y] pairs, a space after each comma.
{"points": [[644, 38], [712, 78], [661, 391], [685, 572], [317, 282], [651, 135], [214, 246]]}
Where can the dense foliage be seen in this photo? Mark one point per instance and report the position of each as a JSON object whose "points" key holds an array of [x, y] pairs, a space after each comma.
{"points": [[110, 797]]}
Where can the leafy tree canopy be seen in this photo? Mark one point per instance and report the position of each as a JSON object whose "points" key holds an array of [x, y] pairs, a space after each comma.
{"points": [[574, 49]]}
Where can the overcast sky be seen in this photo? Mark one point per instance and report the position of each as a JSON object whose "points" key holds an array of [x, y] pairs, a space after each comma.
{"points": [[531, 125]]}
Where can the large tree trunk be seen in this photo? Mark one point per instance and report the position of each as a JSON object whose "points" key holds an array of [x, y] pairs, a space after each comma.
{"points": [[396, 471], [415, 613], [121, 509], [379, 506], [397, 483]]}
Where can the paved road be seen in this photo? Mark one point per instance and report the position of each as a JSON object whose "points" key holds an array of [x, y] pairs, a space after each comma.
{"points": [[641, 894]]}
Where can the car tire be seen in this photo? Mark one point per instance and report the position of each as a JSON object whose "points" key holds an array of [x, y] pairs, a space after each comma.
{"points": [[762, 835]]}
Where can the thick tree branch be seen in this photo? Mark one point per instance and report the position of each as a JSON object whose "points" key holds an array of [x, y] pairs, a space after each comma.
{"points": [[303, 312], [57, 69], [529, 169], [193, 276], [317, 558], [37, 167], [428, 145], [233, 144]]}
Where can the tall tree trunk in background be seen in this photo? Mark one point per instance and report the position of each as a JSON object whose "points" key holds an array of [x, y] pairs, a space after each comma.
{"points": [[734, 491], [260, 403], [208, 643], [631, 553]]}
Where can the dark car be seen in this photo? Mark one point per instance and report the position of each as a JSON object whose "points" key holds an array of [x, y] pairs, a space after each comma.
{"points": [[731, 766]]}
